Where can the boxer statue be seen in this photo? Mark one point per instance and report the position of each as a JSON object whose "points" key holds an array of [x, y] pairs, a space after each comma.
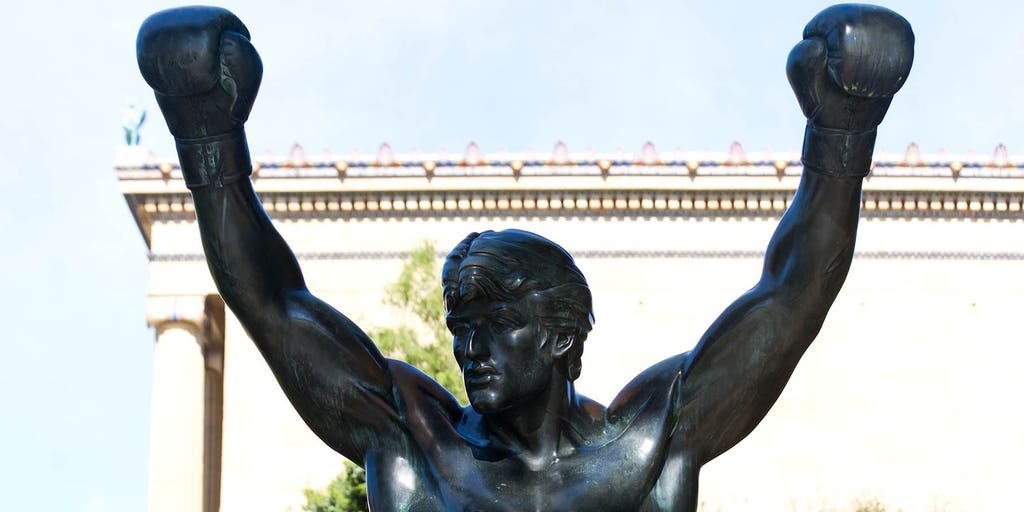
{"points": [[518, 308]]}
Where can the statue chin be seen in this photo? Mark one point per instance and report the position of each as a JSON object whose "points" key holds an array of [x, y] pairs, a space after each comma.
{"points": [[486, 401]]}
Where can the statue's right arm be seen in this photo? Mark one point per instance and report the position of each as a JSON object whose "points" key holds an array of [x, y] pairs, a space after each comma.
{"points": [[205, 74], [328, 367]]}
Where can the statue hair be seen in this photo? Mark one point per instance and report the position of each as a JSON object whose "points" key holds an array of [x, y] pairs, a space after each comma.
{"points": [[511, 264]]}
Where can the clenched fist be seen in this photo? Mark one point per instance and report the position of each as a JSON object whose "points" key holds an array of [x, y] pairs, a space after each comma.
{"points": [[845, 72], [202, 67]]}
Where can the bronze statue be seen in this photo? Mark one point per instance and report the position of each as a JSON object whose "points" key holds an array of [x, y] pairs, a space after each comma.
{"points": [[518, 308]]}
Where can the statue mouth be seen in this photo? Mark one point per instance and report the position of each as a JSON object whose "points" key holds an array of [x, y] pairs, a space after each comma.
{"points": [[480, 376]]}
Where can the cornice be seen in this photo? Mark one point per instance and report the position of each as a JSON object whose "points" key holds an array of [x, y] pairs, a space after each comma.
{"points": [[698, 185]]}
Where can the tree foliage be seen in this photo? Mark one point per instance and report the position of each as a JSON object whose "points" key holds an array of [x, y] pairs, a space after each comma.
{"points": [[418, 291], [347, 493], [425, 345]]}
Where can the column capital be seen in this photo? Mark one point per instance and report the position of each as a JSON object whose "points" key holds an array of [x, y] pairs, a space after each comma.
{"points": [[178, 309]]}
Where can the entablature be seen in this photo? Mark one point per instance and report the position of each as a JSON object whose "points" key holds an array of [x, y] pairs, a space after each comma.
{"points": [[500, 185]]}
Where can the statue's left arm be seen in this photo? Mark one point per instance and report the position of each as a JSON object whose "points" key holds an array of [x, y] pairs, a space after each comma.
{"points": [[851, 62]]}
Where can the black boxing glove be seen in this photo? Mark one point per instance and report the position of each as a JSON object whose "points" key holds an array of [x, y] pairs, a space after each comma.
{"points": [[845, 72], [205, 74]]}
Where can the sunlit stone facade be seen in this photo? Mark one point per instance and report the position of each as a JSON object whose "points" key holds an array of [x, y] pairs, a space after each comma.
{"points": [[910, 394]]}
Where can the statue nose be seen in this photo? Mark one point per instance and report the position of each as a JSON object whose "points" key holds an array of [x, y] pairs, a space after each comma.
{"points": [[476, 345]]}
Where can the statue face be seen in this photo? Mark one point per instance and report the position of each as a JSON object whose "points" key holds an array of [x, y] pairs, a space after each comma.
{"points": [[501, 351]]}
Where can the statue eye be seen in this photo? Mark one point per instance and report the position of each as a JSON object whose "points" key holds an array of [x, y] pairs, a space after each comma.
{"points": [[502, 325], [459, 330]]}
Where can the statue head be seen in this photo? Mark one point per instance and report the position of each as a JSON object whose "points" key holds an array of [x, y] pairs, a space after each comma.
{"points": [[519, 311]]}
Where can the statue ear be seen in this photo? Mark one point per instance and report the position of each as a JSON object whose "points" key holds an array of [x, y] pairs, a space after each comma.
{"points": [[563, 343]]}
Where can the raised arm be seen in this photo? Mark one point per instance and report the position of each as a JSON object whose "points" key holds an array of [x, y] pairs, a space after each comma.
{"points": [[206, 74], [851, 62]]}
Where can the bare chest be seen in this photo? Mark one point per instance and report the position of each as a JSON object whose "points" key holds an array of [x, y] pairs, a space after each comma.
{"points": [[618, 476]]}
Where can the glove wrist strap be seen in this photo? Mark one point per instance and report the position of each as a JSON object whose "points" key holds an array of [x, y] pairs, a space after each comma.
{"points": [[838, 152], [218, 160]]}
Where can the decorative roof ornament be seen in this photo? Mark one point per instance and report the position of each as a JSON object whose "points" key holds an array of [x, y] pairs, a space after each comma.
{"points": [[736, 154], [1000, 157], [297, 156], [517, 168], [780, 168], [472, 157], [955, 167], [560, 154], [912, 158], [649, 155], [385, 157], [691, 168], [340, 166], [165, 171], [132, 120]]}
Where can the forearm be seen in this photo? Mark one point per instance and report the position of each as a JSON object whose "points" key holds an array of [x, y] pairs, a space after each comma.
{"points": [[812, 248], [250, 262]]}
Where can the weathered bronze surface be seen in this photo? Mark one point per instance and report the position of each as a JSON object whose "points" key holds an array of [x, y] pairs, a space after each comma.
{"points": [[518, 308]]}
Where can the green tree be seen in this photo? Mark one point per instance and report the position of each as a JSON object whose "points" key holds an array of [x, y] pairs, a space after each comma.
{"points": [[417, 291], [347, 493]]}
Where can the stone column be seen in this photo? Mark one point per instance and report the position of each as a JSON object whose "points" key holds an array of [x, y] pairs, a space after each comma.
{"points": [[177, 425]]}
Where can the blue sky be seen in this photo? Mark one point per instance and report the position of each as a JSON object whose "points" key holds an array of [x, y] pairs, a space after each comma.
{"points": [[75, 354]]}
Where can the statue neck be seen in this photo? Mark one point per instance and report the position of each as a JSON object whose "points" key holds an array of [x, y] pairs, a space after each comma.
{"points": [[536, 430]]}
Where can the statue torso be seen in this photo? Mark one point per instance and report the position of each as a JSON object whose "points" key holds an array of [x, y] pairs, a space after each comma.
{"points": [[448, 462]]}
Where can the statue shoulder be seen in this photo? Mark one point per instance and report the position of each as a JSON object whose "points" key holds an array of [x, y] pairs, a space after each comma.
{"points": [[652, 393], [418, 394]]}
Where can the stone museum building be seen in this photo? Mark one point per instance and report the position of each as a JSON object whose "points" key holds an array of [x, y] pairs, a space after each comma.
{"points": [[910, 395]]}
